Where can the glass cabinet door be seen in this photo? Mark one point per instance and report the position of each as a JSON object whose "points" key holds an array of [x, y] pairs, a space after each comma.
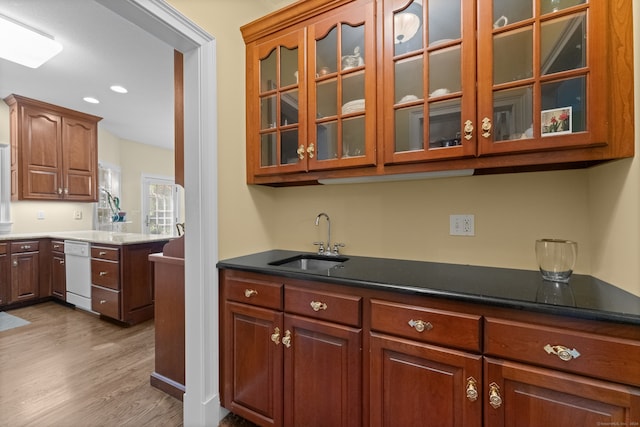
{"points": [[342, 99], [281, 98], [536, 68], [429, 95]]}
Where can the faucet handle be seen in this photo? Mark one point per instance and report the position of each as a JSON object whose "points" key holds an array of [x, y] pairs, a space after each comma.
{"points": [[320, 246], [336, 248]]}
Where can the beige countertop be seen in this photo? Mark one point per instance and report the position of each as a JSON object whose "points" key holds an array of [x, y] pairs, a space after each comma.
{"points": [[92, 236]]}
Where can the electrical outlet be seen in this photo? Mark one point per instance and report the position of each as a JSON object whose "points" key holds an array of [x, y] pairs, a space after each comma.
{"points": [[77, 214], [40, 215], [462, 225]]}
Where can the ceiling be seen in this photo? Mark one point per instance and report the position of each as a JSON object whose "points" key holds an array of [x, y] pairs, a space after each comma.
{"points": [[100, 49]]}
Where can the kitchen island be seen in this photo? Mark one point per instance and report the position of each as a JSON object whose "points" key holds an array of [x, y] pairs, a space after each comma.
{"points": [[395, 342], [113, 277]]}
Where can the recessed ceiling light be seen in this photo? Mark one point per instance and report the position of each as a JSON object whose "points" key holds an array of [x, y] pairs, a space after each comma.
{"points": [[24, 45], [119, 89], [91, 100]]}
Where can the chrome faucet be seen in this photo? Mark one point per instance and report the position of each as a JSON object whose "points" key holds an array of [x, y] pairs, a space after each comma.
{"points": [[326, 250]]}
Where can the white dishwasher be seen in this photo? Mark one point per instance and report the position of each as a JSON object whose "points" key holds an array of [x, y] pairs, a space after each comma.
{"points": [[78, 273]]}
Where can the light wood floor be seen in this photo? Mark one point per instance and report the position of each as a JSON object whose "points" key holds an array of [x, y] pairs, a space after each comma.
{"points": [[69, 368]]}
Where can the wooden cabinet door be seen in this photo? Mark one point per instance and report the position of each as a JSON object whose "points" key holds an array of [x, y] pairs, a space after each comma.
{"points": [[322, 374], [252, 363], [525, 396], [341, 76], [79, 148], [41, 159], [5, 282], [276, 105], [429, 95], [542, 75], [417, 384], [58, 276], [24, 276]]}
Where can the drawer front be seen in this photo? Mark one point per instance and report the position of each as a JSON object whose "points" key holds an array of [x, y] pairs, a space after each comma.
{"points": [[255, 292], [589, 354], [101, 252], [424, 324], [105, 273], [105, 301], [4, 248], [57, 246], [329, 306], [26, 246]]}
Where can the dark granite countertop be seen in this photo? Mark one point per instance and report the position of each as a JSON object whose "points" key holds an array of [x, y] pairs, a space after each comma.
{"points": [[583, 297]]}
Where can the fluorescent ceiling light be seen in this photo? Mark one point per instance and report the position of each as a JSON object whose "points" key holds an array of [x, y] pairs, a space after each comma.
{"points": [[398, 177], [24, 45], [91, 100], [119, 89]]}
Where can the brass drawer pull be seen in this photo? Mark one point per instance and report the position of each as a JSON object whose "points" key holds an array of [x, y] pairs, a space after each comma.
{"points": [[102, 253], [102, 273], [61, 262], [250, 292], [275, 336], [317, 305], [420, 325], [494, 396], [25, 247], [286, 340], [102, 301], [472, 389], [486, 127], [562, 352]]}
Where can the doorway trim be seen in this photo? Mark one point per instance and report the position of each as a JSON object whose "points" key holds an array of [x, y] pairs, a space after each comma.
{"points": [[202, 397]]}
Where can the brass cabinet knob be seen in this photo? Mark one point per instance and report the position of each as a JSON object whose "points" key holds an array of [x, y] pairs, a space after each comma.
{"points": [[562, 352], [468, 130], [420, 325], [494, 396], [317, 305], [286, 340], [275, 336], [472, 389], [311, 150], [300, 152], [486, 127], [250, 292], [61, 262]]}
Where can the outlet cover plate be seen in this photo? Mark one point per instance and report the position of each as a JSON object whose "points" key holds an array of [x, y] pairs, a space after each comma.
{"points": [[462, 225]]}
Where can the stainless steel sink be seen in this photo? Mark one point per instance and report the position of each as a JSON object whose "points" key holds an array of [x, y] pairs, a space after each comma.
{"points": [[310, 262]]}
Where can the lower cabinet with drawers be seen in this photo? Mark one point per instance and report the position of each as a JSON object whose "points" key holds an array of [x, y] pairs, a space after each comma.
{"points": [[25, 270], [291, 356], [122, 281], [297, 352]]}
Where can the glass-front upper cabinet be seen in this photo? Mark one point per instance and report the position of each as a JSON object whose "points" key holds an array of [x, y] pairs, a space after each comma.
{"points": [[429, 88], [537, 74], [279, 100], [341, 88], [312, 96]]}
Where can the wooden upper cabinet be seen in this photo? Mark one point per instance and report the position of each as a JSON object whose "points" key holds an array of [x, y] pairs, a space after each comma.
{"points": [[311, 90], [54, 152], [492, 86]]}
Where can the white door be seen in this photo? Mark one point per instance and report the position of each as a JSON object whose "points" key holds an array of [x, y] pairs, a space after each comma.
{"points": [[160, 205]]}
